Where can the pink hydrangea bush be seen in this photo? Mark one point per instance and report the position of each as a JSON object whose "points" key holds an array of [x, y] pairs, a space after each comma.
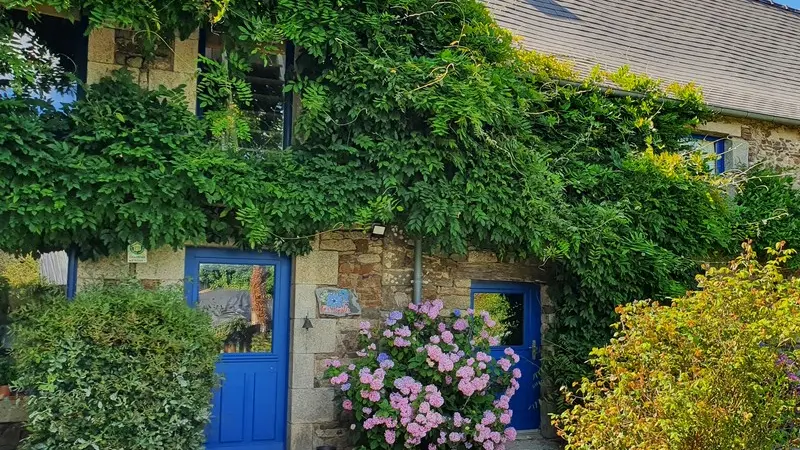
{"points": [[424, 379]]}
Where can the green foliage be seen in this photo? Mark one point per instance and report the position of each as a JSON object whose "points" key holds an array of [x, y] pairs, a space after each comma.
{"points": [[716, 370], [122, 165], [19, 272], [660, 220], [117, 368], [499, 309], [767, 209]]}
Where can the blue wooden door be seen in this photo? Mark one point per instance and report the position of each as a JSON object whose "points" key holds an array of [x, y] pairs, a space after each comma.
{"points": [[517, 309], [247, 296]]}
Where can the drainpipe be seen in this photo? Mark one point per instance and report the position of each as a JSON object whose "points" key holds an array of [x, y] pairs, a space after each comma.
{"points": [[417, 271]]}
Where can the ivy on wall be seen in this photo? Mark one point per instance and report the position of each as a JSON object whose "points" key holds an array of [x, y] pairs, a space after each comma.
{"points": [[419, 113]]}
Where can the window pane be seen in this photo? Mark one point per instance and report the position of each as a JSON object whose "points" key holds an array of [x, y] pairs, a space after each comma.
{"points": [[57, 49], [239, 299], [708, 148], [508, 310], [266, 78]]}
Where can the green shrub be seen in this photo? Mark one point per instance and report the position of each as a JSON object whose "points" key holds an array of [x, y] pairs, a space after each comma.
{"points": [[716, 370], [118, 368], [767, 208]]}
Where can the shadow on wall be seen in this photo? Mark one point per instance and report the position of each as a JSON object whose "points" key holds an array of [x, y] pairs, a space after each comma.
{"points": [[553, 9]]}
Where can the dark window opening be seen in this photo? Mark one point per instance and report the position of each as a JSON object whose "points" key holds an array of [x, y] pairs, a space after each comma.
{"points": [[57, 49], [267, 107]]}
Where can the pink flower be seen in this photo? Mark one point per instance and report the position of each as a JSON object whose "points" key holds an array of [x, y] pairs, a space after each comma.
{"points": [[400, 342], [447, 337], [466, 387], [493, 341], [457, 419], [508, 351], [460, 325], [351, 367], [390, 436], [445, 365], [465, 372], [483, 357], [435, 339], [456, 437], [387, 333], [504, 364], [374, 396], [366, 410], [517, 373], [436, 400], [403, 331], [511, 433], [505, 418], [488, 418], [441, 327], [347, 405]]}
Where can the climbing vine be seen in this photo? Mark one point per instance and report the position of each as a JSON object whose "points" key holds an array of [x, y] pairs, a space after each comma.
{"points": [[420, 113]]}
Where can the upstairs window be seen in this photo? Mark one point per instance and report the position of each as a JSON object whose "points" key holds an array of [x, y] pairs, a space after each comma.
{"points": [[711, 146], [58, 48], [267, 108]]}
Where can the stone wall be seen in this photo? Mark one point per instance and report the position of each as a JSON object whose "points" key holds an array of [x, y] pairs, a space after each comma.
{"points": [[174, 66], [381, 273], [164, 267]]}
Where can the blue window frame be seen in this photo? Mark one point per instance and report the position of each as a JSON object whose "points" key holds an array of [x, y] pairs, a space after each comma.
{"points": [[712, 145]]}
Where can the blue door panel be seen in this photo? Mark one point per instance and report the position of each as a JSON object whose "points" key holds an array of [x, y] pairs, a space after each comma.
{"points": [[231, 408], [265, 384], [525, 402], [250, 406]]}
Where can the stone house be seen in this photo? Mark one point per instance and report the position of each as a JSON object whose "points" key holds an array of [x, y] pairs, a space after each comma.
{"points": [[278, 400]]}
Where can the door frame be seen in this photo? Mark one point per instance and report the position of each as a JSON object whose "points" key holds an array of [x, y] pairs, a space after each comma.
{"points": [[532, 327], [280, 309]]}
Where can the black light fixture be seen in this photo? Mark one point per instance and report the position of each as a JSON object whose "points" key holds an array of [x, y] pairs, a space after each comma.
{"points": [[377, 230], [307, 325]]}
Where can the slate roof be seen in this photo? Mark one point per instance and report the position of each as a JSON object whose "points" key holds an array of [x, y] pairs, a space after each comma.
{"points": [[744, 53]]}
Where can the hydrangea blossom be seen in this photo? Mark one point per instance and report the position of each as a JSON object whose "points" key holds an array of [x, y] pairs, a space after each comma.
{"points": [[429, 380]]}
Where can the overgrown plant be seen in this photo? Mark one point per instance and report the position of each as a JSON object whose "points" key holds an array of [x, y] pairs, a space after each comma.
{"points": [[425, 115], [118, 368], [717, 369], [428, 380], [767, 209]]}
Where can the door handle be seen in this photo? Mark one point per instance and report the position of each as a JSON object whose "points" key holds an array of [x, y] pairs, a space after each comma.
{"points": [[533, 350]]}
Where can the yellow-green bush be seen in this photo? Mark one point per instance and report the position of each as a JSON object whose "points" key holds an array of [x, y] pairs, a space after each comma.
{"points": [[19, 271], [718, 369]]}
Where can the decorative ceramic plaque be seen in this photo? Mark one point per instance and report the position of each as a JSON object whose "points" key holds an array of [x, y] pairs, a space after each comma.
{"points": [[337, 302]]}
